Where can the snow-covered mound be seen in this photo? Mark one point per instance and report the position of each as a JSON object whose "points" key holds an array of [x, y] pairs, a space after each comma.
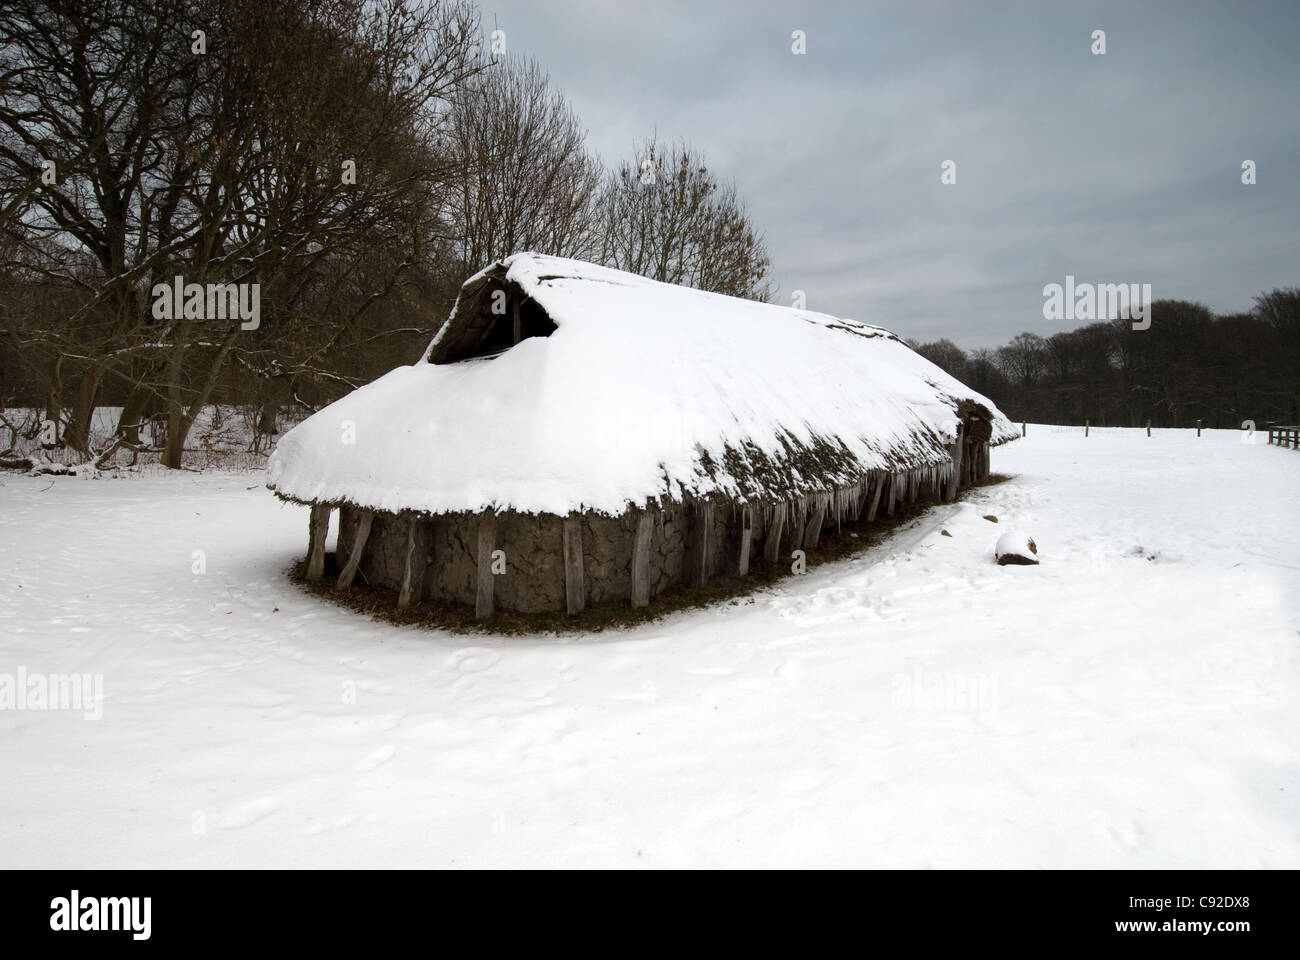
{"points": [[642, 391], [1015, 547]]}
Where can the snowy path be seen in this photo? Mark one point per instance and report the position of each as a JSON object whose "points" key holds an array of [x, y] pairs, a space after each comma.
{"points": [[920, 706]]}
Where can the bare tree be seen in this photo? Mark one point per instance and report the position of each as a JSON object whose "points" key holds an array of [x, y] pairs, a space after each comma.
{"points": [[528, 181], [946, 355], [228, 141], [666, 216]]}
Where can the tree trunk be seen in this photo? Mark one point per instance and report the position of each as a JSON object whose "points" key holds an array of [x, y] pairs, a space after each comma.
{"points": [[78, 433], [180, 421], [128, 424], [54, 400]]}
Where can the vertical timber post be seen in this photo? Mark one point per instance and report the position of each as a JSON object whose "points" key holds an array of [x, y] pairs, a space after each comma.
{"points": [[317, 529], [746, 538], [364, 520], [487, 538], [877, 485], [699, 547], [414, 562], [798, 520], [772, 543], [575, 589], [641, 560], [813, 532]]}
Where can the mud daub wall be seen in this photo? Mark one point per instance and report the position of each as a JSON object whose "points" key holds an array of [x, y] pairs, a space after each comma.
{"points": [[532, 580], [534, 558]]}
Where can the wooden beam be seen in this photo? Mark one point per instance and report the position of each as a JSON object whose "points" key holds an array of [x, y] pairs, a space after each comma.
{"points": [[813, 532], [414, 562], [484, 601], [746, 537], [641, 560], [364, 519], [575, 590], [772, 542], [317, 528]]}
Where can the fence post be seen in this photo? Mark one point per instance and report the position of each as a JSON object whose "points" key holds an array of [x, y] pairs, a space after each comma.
{"points": [[1198, 428], [1086, 425], [1024, 427], [1148, 428]]}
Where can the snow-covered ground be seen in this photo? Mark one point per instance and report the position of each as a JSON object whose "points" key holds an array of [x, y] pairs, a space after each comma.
{"points": [[1131, 701]]}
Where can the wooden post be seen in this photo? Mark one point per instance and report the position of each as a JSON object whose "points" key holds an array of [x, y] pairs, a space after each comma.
{"points": [[484, 601], [955, 452], [575, 588], [414, 562], [1087, 425], [699, 544], [862, 497], [1198, 428], [772, 543], [877, 487], [317, 528], [913, 486], [1024, 428], [1148, 428], [813, 532], [641, 560], [798, 517], [746, 536], [364, 519], [891, 494]]}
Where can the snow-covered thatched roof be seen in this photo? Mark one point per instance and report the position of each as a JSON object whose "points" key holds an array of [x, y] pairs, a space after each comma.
{"points": [[624, 390]]}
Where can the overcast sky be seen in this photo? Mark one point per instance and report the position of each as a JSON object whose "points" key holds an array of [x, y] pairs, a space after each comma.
{"points": [[1122, 168]]}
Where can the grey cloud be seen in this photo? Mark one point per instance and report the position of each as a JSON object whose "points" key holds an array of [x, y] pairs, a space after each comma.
{"points": [[1117, 168]]}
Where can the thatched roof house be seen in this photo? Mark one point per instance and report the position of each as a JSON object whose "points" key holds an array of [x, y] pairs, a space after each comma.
{"points": [[575, 433]]}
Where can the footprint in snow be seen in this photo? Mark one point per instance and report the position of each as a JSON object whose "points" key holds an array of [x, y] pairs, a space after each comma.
{"points": [[380, 756], [247, 812], [473, 659]]}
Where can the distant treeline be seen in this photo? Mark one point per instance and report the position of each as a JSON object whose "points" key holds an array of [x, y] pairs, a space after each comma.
{"points": [[1189, 365]]}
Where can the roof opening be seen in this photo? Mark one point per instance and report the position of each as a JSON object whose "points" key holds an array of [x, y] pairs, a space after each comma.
{"points": [[498, 316]]}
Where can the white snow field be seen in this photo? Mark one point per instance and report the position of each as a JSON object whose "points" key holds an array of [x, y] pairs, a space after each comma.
{"points": [[1130, 702]]}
